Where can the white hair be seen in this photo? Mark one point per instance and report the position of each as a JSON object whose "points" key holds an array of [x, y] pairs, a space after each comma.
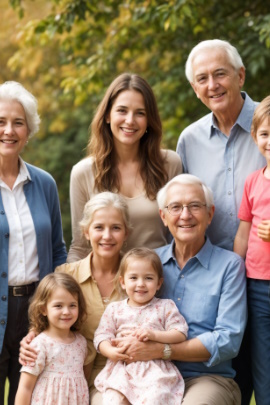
{"points": [[14, 91], [104, 200], [216, 44], [188, 179]]}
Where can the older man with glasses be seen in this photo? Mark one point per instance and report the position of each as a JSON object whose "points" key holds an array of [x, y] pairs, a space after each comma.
{"points": [[207, 283]]}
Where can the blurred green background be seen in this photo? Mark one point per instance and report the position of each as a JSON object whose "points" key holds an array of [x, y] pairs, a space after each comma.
{"points": [[66, 52]]}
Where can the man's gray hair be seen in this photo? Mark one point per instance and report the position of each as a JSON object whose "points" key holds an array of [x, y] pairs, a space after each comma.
{"points": [[188, 179], [217, 44]]}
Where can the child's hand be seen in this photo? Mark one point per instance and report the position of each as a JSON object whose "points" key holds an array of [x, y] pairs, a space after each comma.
{"points": [[264, 230], [117, 354], [144, 334]]}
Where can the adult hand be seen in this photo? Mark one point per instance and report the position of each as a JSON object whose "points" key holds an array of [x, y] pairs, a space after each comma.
{"points": [[264, 230], [28, 354], [139, 351]]}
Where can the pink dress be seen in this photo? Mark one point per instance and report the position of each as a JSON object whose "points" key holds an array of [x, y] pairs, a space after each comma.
{"points": [[143, 382], [59, 367]]}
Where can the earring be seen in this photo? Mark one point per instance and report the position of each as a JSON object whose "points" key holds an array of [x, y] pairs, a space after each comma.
{"points": [[26, 142], [146, 131]]}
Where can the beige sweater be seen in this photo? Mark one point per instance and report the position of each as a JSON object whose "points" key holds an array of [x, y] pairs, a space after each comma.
{"points": [[148, 229]]}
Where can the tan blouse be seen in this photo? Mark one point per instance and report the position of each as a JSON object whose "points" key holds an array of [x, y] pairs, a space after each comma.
{"points": [[148, 229]]}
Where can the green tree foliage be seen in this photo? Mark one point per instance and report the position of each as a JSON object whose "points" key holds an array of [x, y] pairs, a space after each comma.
{"points": [[68, 51]]}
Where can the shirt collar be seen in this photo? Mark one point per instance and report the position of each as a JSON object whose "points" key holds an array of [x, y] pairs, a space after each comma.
{"points": [[23, 172], [22, 177], [203, 256], [244, 118], [85, 269]]}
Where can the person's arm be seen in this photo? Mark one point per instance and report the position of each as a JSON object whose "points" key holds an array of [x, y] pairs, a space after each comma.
{"points": [[166, 336], [113, 353], [58, 244], [28, 354], [25, 389], [79, 195], [191, 350], [241, 238], [264, 230]]}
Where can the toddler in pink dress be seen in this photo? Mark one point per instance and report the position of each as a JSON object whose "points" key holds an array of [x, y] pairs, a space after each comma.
{"points": [[56, 312], [148, 318]]}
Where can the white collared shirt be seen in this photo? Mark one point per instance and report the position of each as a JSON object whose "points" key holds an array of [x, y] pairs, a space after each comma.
{"points": [[22, 253]]}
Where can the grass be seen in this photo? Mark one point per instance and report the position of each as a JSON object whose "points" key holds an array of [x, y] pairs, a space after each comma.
{"points": [[251, 403]]}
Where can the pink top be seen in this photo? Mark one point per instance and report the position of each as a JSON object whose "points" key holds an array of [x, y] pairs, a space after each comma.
{"points": [[254, 208]]}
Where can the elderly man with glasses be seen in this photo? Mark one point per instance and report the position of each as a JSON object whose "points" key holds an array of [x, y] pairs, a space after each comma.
{"points": [[207, 283]]}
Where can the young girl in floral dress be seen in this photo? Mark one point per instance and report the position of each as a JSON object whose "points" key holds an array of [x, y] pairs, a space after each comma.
{"points": [[56, 313], [147, 318]]}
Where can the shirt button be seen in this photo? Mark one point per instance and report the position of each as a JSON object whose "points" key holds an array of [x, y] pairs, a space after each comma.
{"points": [[182, 276], [4, 275], [4, 298], [229, 192], [178, 299], [6, 235], [2, 212], [2, 322], [229, 169]]}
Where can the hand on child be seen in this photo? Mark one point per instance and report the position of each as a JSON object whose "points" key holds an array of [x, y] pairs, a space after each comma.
{"points": [[144, 334], [28, 354], [264, 230], [118, 354]]}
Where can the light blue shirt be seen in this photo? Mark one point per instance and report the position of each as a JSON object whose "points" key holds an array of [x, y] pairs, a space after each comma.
{"points": [[210, 292], [222, 163]]}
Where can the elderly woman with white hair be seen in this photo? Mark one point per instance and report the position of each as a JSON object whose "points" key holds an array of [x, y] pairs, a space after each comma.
{"points": [[31, 237]]}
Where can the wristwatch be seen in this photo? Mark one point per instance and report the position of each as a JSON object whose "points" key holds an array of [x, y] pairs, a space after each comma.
{"points": [[167, 352]]}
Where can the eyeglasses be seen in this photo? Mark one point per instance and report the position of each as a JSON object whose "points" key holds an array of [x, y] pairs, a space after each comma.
{"points": [[176, 209]]}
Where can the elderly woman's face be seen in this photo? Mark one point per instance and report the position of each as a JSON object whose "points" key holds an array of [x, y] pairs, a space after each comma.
{"points": [[107, 232], [13, 128]]}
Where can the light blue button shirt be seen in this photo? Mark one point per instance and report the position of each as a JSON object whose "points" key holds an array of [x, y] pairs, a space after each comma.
{"points": [[222, 163], [210, 292]]}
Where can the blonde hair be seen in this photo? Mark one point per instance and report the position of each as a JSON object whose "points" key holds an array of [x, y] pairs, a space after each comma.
{"points": [[104, 200], [48, 284], [261, 112]]}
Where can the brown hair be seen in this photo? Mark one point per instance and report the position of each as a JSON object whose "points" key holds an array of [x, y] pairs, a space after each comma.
{"points": [[262, 111], [141, 253], [101, 145], [37, 320]]}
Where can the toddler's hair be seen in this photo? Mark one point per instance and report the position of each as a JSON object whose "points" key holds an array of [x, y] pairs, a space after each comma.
{"points": [[48, 284], [141, 253], [261, 112]]}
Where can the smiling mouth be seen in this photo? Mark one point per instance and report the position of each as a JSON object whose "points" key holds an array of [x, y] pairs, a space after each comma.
{"points": [[6, 141], [217, 95], [186, 226], [128, 130]]}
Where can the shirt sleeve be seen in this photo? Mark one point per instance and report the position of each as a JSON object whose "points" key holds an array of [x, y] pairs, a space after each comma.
{"points": [[79, 195], [58, 244], [173, 318], [41, 358], [223, 343], [107, 327], [245, 210]]}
